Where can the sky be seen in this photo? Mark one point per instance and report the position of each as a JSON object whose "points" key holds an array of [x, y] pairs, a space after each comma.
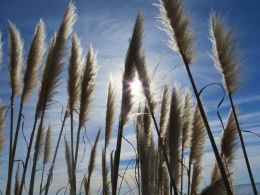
{"points": [[107, 25]]}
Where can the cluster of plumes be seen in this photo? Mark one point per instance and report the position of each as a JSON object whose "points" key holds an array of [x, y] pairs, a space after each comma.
{"points": [[224, 46], [147, 153], [53, 65], [35, 55], [15, 59], [176, 25], [228, 146]]}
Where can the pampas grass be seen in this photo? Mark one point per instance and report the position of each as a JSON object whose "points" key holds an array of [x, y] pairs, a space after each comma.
{"points": [[15, 58], [226, 59], [33, 61], [91, 164], [173, 133], [51, 73], [15, 74], [178, 28], [126, 102], [176, 25], [215, 188], [160, 165], [46, 154], [30, 79], [228, 146], [224, 46], [110, 112]]}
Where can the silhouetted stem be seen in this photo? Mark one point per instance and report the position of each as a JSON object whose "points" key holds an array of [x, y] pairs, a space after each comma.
{"points": [[9, 182], [243, 145], [117, 155], [211, 138], [27, 156], [48, 183]]}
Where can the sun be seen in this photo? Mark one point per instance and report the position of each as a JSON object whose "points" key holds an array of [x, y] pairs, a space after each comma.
{"points": [[136, 86]]}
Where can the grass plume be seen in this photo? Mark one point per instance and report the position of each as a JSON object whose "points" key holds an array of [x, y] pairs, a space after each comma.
{"points": [[91, 164], [15, 58], [34, 58]]}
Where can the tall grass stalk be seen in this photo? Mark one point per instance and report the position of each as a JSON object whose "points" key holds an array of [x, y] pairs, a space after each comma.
{"points": [[51, 74], [177, 27], [46, 157], [126, 102], [15, 68], [91, 164], [226, 60], [30, 79], [87, 88], [50, 174]]}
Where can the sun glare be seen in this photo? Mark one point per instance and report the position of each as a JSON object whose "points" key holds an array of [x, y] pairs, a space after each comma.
{"points": [[136, 86]]}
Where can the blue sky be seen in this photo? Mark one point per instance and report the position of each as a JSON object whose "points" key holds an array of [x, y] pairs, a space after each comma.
{"points": [[108, 26]]}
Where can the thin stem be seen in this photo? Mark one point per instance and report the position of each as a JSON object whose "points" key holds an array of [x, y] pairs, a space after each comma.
{"points": [[243, 145], [189, 177], [117, 155], [182, 157], [74, 162], [35, 155], [54, 156], [12, 147], [43, 167], [211, 138], [27, 156]]}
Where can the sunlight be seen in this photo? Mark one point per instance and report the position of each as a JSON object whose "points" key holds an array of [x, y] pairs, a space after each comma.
{"points": [[136, 87]]}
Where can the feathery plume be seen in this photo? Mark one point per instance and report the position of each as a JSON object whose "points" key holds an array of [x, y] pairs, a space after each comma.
{"points": [[228, 145], [196, 177], [186, 119], [34, 58], [53, 65], [224, 46], [217, 187], [110, 112], [17, 180], [145, 80], [197, 137], [176, 25], [1, 50], [164, 109], [74, 72], [68, 160], [87, 86], [229, 138], [91, 164], [2, 126], [174, 132], [47, 146], [15, 58], [39, 143], [129, 72]]}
